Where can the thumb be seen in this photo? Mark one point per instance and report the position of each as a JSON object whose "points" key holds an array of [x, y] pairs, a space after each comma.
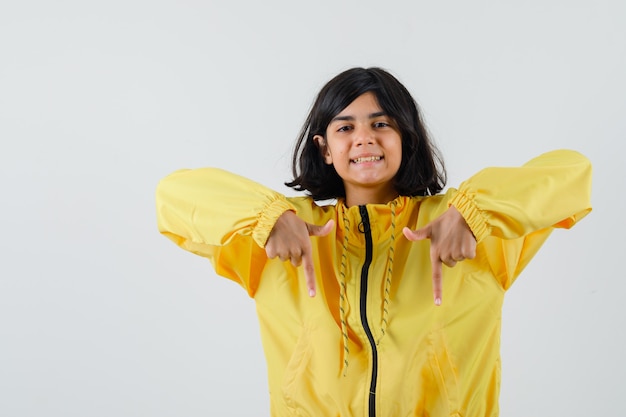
{"points": [[419, 234], [315, 230]]}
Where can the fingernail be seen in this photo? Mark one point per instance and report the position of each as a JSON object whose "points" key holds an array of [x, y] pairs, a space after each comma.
{"points": [[437, 301], [311, 292]]}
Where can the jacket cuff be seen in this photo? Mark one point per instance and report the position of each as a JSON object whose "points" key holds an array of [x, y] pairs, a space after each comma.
{"points": [[267, 220], [472, 214]]}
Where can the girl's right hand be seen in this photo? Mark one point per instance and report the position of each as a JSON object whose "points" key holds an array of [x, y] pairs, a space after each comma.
{"points": [[290, 240]]}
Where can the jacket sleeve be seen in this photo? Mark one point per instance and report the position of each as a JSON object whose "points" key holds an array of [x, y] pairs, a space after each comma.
{"points": [[512, 211], [221, 216]]}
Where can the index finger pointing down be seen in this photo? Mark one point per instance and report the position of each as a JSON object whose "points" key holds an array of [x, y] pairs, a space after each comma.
{"points": [[436, 265], [309, 272]]}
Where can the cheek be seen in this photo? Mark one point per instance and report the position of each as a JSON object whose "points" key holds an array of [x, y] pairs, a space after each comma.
{"points": [[333, 155], [397, 158]]}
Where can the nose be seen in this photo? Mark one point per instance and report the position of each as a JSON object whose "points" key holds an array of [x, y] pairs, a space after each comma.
{"points": [[364, 135]]}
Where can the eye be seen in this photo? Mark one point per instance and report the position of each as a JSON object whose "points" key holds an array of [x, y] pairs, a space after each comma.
{"points": [[344, 128], [381, 124]]}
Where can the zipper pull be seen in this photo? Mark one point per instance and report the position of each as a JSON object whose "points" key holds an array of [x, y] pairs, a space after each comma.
{"points": [[364, 225]]}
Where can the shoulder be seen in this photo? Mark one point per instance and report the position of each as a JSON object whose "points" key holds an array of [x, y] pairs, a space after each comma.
{"points": [[312, 211]]}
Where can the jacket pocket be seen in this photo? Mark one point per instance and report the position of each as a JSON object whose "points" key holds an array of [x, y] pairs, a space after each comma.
{"points": [[311, 385], [445, 377], [292, 381]]}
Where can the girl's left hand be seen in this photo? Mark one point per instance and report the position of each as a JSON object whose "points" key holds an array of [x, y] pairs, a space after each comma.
{"points": [[451, 241]]}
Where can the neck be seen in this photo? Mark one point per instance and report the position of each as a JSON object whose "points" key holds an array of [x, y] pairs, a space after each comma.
{"points": [[364, 197]]}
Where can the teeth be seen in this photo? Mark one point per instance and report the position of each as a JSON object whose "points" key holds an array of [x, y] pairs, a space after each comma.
{"points": [[367, 159]]}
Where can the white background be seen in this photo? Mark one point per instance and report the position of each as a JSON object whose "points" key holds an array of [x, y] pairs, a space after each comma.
{"points": [[102, 316]]}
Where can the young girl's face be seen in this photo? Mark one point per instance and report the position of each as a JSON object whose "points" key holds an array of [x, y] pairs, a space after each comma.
{"points": [[365, 147]]}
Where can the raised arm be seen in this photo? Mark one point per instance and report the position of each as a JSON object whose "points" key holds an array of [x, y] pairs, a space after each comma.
{"points": [[511, 211], [221, 216]]}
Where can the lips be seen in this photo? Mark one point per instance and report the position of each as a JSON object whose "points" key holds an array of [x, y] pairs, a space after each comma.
{"points": [[362, 159]]}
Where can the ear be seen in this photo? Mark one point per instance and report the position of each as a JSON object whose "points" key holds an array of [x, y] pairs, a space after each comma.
{"points": [[321, 145]]}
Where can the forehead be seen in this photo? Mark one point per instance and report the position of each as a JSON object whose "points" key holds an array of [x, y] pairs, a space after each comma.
{"points": [[364, 105]]}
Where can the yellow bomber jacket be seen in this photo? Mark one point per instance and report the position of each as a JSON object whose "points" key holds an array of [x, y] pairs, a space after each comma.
{"points": [[372, 342]]}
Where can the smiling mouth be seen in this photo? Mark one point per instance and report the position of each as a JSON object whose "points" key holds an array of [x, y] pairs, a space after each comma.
{"points": [[366, 159]]}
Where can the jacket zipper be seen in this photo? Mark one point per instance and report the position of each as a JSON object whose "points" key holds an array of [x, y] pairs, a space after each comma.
{"points": [[364, 227]]}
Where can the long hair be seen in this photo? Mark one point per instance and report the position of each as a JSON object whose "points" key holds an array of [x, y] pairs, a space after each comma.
{"points": [[421, 171]]}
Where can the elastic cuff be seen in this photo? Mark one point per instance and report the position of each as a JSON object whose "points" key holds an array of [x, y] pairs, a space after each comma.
{"points": [[268, 218], [472, 215]]}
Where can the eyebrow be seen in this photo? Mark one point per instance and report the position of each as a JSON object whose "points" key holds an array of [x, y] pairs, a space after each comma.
{"points": [[351, 118]]}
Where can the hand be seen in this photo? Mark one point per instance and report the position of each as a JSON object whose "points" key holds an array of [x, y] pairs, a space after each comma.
{"points": [[451, 241], [289, 240]]}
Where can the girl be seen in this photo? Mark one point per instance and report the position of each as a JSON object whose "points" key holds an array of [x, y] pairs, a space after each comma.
{"points": [[343, 291]]}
